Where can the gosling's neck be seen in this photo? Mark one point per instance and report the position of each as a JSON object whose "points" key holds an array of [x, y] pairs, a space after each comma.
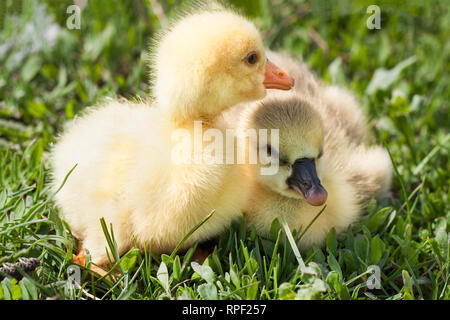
{"points": [[183, 115]]}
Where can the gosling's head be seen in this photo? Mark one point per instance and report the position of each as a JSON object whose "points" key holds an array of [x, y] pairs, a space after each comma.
{"points": [[209, 61], [299, 146]]}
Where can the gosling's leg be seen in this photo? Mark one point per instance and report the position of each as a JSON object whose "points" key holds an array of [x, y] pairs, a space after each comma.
{"points": [[204, 250], [200, 255]]}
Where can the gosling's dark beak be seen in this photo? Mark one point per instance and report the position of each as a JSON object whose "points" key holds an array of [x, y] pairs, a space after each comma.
{"points": [[304, 180]]}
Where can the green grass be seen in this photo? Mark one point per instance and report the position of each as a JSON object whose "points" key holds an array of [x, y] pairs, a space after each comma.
{"points": [[399, 73]]}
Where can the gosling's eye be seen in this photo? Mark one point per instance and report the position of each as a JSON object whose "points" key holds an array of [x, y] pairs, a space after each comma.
{"points": [[252, 58], [320, 154]]}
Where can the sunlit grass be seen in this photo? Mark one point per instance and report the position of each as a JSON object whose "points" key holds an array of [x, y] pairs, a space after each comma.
{"points": [[406, 235]]}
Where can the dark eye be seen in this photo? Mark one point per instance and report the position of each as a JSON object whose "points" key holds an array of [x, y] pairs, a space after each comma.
{"points": [[320, 154], [252, 58]]}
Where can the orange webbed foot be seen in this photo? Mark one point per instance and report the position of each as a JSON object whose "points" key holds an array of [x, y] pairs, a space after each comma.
{"points": [[102, 272], [80, 259]]}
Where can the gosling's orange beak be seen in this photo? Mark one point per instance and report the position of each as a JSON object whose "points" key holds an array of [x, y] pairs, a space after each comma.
{"points": [[275, 78]]}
